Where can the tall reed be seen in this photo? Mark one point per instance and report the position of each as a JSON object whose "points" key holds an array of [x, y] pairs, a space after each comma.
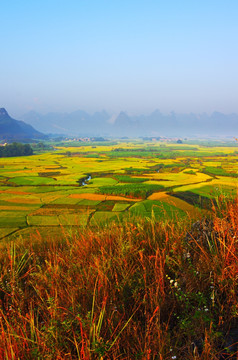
{"points": [[132, 290]]}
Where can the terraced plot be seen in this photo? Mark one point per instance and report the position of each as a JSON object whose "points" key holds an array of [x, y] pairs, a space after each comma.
{"points": [[127, 179], [121, 207], [160, 210]]}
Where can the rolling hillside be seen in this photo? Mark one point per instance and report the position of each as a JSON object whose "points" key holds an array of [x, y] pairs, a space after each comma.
{"points": [[11, 129]]}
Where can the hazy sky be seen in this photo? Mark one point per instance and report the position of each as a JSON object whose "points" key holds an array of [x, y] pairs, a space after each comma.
{"points": [[59, 55]]}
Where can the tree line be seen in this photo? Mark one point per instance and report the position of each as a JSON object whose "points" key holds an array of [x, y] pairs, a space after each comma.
{"points": [[15, 149]]}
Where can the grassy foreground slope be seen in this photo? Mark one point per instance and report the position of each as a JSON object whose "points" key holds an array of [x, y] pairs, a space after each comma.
{"points": [[141, 290]]}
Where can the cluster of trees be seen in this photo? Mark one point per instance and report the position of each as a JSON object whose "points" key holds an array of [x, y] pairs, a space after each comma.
{"points": [[41, 146], [15, 149], [131, 190]]}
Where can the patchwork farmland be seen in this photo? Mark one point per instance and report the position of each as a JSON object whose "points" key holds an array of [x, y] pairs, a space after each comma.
{"points": [[80, 185]]}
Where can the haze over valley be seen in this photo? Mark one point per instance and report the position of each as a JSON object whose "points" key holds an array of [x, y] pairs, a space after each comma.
{"points": [[101, 123], [33, 125]]}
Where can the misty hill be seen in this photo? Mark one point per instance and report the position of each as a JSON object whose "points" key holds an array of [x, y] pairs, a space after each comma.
{"points": [[154, 124], [75, 123], [12, 130]]}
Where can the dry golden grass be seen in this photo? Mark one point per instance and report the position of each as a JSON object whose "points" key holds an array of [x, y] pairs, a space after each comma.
{"points": [[143, 290]]}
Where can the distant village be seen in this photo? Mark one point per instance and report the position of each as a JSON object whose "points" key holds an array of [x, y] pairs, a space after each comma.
{"points": [[85, 139], [99, 139]]}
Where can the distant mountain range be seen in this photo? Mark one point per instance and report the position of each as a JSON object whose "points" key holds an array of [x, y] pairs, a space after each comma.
{"points": [[80, 123], [15, 130], [73, 124]]}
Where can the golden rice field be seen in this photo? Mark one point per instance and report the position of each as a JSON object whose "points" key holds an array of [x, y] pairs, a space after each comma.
{"points": [[76, 186]]}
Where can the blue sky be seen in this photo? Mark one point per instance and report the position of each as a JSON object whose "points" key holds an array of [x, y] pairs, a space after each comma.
{"points": [[119, 55]]}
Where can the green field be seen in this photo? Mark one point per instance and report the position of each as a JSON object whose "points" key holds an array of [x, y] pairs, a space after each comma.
{"points": [[79, 185]]}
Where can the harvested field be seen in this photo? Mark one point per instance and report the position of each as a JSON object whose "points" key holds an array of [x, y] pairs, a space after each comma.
{"points": [[158, 196], [74, 219], [17, 208], [99, 197], [101, 217], [7, 231], [14, 192], [120, 207], [43, 220], [90, 196], [23, 200]]}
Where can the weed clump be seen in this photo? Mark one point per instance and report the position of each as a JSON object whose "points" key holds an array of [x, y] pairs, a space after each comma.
{"points": [[133, 290]]}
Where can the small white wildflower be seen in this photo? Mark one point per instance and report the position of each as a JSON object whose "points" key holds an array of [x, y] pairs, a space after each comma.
{"points": [[171, 281], [174, 357]]}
